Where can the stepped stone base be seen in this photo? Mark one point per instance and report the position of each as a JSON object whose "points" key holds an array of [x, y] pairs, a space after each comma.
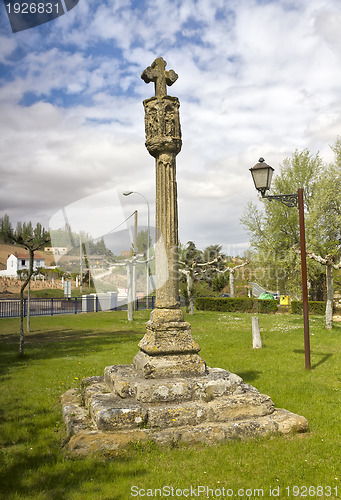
{"points": [[122, 407]]}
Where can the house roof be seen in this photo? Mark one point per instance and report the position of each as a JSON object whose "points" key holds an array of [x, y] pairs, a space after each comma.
{"points": [[26, 255]]}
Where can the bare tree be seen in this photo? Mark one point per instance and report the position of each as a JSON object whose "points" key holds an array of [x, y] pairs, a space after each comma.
{"points": [[191, 271], [327, 261], [232, 271]]}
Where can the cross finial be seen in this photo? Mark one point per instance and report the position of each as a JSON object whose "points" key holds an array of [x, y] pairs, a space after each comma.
{"points": [[157, 73]]}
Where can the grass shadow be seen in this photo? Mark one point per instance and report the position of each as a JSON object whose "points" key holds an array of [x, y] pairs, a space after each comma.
{"points": [[250, 376], [56, 344], [324, 358], [21, 478]]}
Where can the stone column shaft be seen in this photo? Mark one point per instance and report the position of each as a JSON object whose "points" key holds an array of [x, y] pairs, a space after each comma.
{"points": [[167, 281]]}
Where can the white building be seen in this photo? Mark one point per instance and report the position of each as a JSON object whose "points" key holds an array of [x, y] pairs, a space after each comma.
{"points": [[17, 262], [56, 250]]}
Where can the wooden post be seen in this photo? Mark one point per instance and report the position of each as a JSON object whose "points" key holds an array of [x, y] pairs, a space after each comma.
{"points": [[256, 338]]}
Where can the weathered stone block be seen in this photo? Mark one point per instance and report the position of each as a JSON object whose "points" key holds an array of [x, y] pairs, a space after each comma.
{"points": [[158, 367], [86, 441], [239, 407], [121, 379], [91, 390], [175, 415], [166, 390], [217, 383], [168, 333], [288, 422], [92, 380], [75, 416], [110, 412]]}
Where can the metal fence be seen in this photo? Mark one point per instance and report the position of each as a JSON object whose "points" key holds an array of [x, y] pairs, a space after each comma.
{"points": [[10, 308]]}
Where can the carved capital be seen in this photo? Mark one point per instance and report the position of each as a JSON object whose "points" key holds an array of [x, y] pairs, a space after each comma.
{"points": [[162, 124]]}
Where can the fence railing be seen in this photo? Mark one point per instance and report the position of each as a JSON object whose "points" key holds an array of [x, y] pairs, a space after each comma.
{"points": [[10, 308]]}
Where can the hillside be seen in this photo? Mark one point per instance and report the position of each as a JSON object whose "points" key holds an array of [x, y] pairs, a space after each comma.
{"points": [[11, 287], [6, 250]]}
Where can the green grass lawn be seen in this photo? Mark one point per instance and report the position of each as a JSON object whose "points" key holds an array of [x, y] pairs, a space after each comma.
{"points": [[60, 350]]}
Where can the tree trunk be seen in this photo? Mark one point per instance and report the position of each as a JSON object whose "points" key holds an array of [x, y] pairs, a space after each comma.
{"points": [[330, 295], [329, 263], [232, 282], [232, 270], [22, 334], [190, 293]]}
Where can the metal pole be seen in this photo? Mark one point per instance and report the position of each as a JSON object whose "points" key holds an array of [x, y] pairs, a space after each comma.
{"points": [[304, 280], [127, 193], [134, 263], [147, 303], [130, 291], [28, 306], [81, 263]]}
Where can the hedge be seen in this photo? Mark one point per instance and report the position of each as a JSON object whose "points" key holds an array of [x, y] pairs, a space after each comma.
{"points": [[240, 304], [315, 307]]}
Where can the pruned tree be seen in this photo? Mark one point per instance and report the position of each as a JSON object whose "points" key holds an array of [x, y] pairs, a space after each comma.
{"points": [[193, 266], [324, 227], [32, 240], [327, 261], [232, 271]]}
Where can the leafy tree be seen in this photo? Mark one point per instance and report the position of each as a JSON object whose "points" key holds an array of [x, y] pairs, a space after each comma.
{"points": [[142, 242], [219, 282], [274, 230], [5, 229]]}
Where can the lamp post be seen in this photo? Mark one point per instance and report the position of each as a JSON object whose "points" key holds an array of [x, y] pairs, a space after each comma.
{"points": [[127, 193], [262, 176]]}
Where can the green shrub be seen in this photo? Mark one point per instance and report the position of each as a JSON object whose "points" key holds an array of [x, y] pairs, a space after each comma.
{"points": [[267, 306], [315, 307], [238, 304]]}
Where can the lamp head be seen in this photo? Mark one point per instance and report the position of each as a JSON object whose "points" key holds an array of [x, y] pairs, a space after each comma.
{"points": [[127, 193], [262, 175]]}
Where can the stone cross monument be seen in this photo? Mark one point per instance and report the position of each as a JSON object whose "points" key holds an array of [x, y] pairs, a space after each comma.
{"points": [[168, 348], [167, 394]]}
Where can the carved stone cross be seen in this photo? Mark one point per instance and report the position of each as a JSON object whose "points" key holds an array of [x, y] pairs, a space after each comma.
{"points": [[157, 73]]}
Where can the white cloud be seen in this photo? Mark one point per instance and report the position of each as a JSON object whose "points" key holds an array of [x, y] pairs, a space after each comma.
{"points": [[255, 79]]}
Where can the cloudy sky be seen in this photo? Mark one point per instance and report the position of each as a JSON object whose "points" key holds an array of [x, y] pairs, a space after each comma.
{"points": [[256, 78]]}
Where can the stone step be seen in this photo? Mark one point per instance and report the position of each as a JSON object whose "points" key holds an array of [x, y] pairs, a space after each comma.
{"points": [[124, 381], [110, 412], [280, 421]]}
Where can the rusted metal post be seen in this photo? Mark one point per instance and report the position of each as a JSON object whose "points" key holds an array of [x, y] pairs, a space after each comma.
{"points": [[304, 280]]}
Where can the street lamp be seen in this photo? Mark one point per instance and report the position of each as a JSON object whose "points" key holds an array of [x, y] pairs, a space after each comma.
{"points": [[127, 193], [262, 176]]}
